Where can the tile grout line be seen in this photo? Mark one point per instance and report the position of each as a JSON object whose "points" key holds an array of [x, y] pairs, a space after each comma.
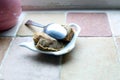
{"points": [[114, 38], [117, 48], [21, 18], [47, 12], [87, 11], [6, 52], [5, 56], [109, 20], [60, 68]]}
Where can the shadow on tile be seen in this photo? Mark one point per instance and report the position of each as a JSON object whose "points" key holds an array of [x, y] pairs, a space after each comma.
{"points": [[66, 58], [44, 58], [28, 64], [25, 54]]}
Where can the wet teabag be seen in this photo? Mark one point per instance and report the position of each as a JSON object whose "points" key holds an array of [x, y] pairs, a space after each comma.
{"points": [[45, 42], [70, 33]]}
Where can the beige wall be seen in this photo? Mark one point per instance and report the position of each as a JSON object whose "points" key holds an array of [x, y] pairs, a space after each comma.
{"points": [[70, 4]]}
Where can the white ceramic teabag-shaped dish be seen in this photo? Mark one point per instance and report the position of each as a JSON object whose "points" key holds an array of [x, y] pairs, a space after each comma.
{"points": [[66, 49]]}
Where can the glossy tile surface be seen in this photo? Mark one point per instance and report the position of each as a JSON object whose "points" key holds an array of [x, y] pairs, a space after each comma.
{"points": [[4, 45], [42, 18], [92, 59], [114, 22], [95, 57], [92, 24], [23, 64]]}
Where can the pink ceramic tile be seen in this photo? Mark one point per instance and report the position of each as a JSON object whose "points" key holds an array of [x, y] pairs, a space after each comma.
{"points": [[92, 24], [23, 64]]}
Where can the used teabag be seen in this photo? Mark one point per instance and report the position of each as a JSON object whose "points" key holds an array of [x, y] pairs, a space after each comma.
{"points": [[70, 33], [47, 43]]}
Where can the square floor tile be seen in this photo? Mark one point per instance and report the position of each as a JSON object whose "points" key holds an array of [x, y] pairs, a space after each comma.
{"points": [[23, 64], [92, 24], [42, 18], [4, 45], [92, 59], [114, 19]]}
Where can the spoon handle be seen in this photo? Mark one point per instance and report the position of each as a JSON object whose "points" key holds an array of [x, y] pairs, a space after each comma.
{"points": [[30, 22]]}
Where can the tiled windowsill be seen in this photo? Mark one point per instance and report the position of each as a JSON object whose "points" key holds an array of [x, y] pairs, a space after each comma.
{"points": [[95, 57]]}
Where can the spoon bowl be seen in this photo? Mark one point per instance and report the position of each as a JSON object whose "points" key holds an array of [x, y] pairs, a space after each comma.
{"points": [[54, 30], [66, 49]]}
